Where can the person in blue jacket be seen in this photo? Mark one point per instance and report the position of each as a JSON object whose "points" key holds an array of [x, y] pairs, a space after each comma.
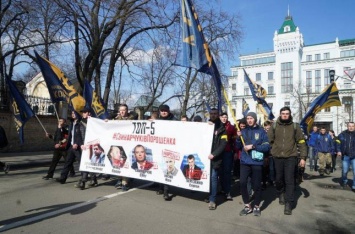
{"points": [[255, 139], [324, 147]]}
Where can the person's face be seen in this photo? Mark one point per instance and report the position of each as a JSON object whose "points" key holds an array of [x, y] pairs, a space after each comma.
{"points": [[351, 127], [73, 115], [242, 126], [169, 164], [250, 121], [123, 111], [61, 122], [322, 131], [331, 134], [164, 113], [285, 115], [223, 118], [315, 129], [97, 150], [183, 119], [115, 153], [267, 128], [213, 115], [139, 153], [85, 115], [191, 162]]}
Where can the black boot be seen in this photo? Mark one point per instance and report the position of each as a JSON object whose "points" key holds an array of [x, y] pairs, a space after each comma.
{"points": [[282, 199], [166, 195], [288, 209]]}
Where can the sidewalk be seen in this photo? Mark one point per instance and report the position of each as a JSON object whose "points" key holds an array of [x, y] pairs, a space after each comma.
{"points": [[27, 159]]}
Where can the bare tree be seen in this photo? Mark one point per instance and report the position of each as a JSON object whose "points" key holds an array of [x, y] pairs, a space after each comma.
{"points": [[303, 97], [156, 75]]}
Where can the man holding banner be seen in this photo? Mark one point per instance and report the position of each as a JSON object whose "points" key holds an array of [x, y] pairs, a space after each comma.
{"points": [[219, 143]]}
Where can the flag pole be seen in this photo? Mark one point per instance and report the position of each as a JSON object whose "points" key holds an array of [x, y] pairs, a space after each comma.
{"points": [[231, 111], [56, 112], [41, 124]]}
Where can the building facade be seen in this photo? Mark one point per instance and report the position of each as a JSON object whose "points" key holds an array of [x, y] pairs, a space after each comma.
{"points": [[294, 74]]}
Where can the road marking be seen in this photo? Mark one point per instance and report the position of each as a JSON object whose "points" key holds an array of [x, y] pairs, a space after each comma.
{"points": [[64, 210]]}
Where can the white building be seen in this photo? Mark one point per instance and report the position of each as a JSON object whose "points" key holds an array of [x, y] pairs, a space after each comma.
{"points": [[294, 73]]}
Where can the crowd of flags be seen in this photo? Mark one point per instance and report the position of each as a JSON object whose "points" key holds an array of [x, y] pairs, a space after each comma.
{"points": [[195, 54]]}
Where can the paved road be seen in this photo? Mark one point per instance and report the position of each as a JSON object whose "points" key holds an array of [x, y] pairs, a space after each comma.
{"points": [[32, 205]]}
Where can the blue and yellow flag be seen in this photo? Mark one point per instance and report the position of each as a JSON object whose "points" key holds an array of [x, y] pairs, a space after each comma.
{"points": [[259, 94], [245, 108], [329, 97], [20, 108], [196, 52], [59, 86], [94, 102]]}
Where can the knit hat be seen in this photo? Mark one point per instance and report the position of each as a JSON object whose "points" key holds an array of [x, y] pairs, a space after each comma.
{"points": [[252, 114], [164, 108]]}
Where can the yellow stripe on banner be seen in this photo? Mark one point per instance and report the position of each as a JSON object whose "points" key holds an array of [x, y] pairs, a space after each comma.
{"points": [[301, 141]]}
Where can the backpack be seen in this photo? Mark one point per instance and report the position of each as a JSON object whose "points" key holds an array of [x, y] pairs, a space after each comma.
{"points": [[3, 138]]}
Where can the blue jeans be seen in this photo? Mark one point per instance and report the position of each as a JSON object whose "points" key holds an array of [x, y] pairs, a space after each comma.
{"points": [[347, 161], [312, 158], [213, 185], [226, 171]]}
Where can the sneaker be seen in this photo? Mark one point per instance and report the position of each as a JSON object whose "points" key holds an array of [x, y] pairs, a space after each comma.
{"points": [[212, 206], [6, 168], [118, 185], [166, 196], [47, 177], [229, 197], [246, 210], [125, 188], [256, 211]]}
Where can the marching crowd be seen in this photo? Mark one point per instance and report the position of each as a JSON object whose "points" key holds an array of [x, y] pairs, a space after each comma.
{"points": [[273, 154]]}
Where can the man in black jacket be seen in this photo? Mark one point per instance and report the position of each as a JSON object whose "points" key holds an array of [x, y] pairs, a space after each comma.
{"points": [[60, 143], [76, 138], [219, 143], [165, 114]]}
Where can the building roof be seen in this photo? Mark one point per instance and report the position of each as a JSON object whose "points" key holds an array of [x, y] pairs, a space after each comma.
{"points": [[347, 42], [288, 22]]}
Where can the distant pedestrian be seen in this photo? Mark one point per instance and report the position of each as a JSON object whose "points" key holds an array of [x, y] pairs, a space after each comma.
{"points": [[346, 151], [324, 147], [311, 153], [60, 139], [334, 153]]}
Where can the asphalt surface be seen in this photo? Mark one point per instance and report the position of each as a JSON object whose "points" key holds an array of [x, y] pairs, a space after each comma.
{"points": [[322, 206]]}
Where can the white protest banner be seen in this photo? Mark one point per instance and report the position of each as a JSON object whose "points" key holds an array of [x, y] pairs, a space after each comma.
{"points": [[168, 152]]}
